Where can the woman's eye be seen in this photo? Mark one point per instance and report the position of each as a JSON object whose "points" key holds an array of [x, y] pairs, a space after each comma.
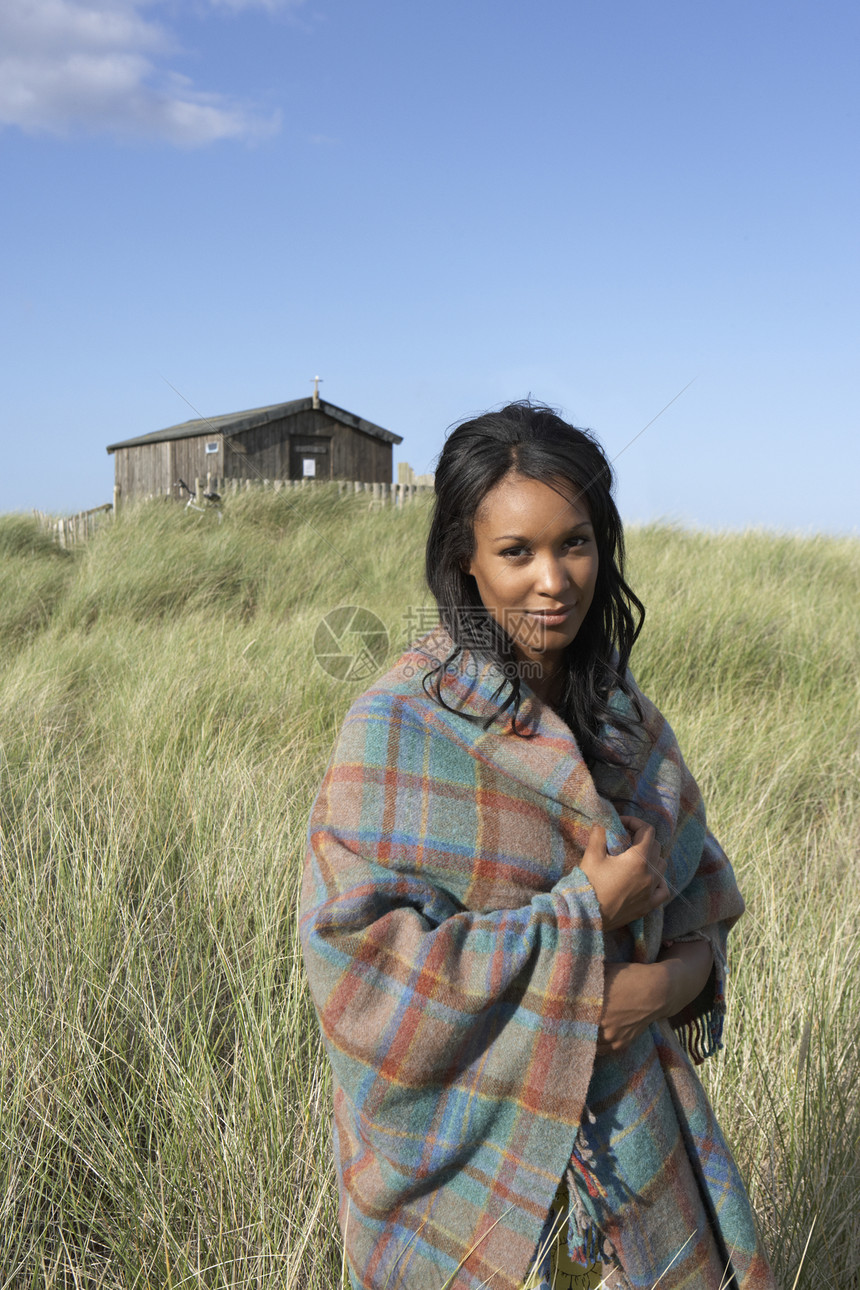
{"points": [[513, 551]]}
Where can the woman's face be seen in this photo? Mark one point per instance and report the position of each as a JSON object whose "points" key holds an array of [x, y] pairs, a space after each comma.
{"points": [[535, 564]]}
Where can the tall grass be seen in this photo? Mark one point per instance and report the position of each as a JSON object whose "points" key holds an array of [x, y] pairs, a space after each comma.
{"points": [[163, 728]]}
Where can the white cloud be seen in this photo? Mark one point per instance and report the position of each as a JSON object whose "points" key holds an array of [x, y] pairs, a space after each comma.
{"points": [[72, 66]]}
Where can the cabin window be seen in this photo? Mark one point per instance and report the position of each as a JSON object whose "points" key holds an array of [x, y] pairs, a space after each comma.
{"points": [[211, 447]]}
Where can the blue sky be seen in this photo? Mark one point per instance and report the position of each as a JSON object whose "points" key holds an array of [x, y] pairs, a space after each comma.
{"points": [[440, 207]]}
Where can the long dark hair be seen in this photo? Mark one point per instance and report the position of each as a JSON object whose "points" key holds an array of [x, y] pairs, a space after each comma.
{"points": [[535, 442]]}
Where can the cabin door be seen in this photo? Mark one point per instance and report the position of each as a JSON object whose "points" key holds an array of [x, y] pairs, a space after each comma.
{"points": [[310, 458]]}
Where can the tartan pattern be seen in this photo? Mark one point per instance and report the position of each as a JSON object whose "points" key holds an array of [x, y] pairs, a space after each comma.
{"points": [[455, 955]]}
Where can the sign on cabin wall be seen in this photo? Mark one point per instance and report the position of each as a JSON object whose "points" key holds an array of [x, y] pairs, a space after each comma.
{"points": [[309, 467]]}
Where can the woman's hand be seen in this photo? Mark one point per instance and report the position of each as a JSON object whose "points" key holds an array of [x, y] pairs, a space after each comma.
{"points": [[635, 994], [627, 886]]}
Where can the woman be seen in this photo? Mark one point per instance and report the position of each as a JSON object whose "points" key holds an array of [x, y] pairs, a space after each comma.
{"points": [[514, 918]]}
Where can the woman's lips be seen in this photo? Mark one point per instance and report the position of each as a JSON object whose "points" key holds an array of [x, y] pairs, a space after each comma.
{"points": [[550, 617]]}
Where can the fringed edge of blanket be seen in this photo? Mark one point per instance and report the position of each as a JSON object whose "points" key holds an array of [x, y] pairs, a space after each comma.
{"points": [[699, 1026], [702, 1036], [569, 1221], [585, 1242]]}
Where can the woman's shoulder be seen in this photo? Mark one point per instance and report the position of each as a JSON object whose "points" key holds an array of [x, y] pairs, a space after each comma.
{"points": [[630, 701], [433, 692], [397, 701], [403, 684], [467, 681], [643, 726]]}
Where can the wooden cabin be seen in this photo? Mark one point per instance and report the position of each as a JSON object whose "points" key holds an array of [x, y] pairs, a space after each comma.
{"points": [[305, 439]]}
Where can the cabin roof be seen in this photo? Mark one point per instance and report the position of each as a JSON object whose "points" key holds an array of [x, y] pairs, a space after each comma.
{"points": [[233, 423]]}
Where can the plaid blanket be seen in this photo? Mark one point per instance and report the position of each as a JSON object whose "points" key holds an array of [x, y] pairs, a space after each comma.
{"points": [[455, 956]]}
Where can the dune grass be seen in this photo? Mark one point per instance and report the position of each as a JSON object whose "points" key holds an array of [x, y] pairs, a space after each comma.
{"points": [[163, 727]]}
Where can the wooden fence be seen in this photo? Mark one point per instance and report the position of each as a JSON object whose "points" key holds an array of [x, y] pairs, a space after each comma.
{"points": [[383, 494], [200, 489], [72, 529]]}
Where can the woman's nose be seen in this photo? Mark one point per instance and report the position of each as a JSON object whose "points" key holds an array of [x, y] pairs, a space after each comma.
{"points": [[552, 577]]}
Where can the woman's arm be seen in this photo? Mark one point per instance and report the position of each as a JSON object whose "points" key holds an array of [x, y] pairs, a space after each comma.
{"points": [[628, 886], [635, 994]]}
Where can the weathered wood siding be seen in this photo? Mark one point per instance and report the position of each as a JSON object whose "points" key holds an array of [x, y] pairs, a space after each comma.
{"points": [[152, 469], [356, 455], [264, 452], [143, 471], [191, 460]]}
